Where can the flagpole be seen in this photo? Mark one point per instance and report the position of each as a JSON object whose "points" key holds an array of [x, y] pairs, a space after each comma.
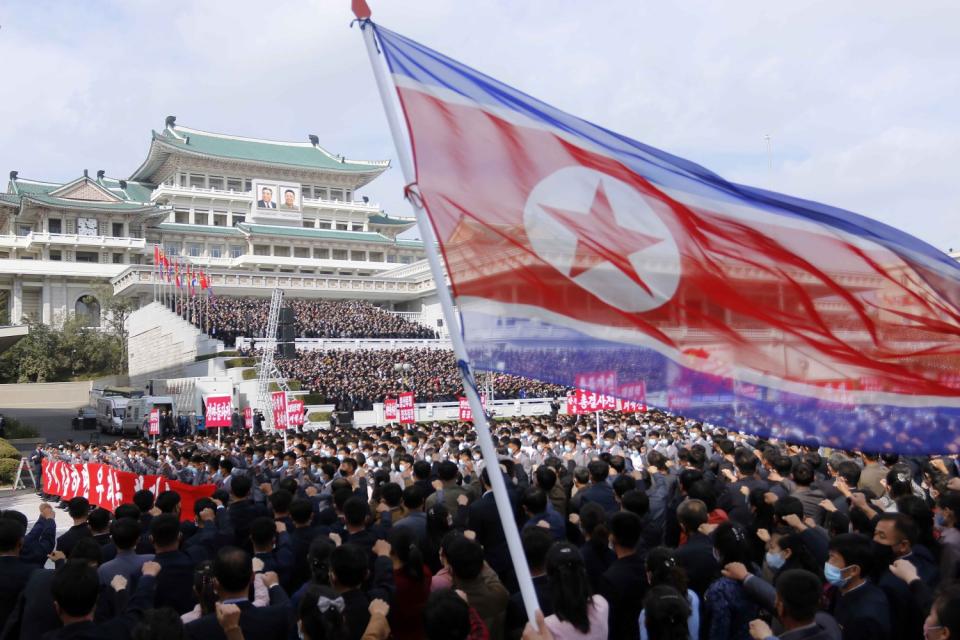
{"points": [[491, 461]]}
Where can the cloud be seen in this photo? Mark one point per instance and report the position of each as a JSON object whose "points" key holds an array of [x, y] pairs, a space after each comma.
{"points": [[858, 97]]}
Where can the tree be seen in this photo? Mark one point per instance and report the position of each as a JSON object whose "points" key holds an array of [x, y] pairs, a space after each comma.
{"points": [[116, 311]]}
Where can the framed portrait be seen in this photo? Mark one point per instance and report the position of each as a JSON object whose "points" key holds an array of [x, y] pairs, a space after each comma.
{"points": [[288, 197], [266, 195]]}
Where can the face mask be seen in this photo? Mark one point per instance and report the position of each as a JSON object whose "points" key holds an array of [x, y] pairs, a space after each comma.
{"points": [[834, 575], [285, 464], [608, 443], [568, 448], [428, 458], [883, 553], [403, 468], [477, 458], [775, 560], [939, 520]]}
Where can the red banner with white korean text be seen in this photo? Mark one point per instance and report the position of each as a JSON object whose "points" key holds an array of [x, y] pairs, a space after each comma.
{"points": [[279, 403], [106, 487], [248, 417], [407, 408], [219, 412], [390, 409]]}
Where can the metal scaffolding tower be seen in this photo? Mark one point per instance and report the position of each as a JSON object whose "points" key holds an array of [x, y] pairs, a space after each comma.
{"points": [[268, 371]]}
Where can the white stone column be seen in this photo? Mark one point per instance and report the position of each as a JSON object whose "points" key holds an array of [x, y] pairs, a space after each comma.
{"points": [[16, 302], [46, 310]]}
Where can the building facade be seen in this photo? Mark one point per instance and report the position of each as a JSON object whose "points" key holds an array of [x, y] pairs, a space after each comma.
{"points": [[254, 214]]}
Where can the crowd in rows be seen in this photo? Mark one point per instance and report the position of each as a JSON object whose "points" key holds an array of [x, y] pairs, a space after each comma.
{"points": [[651, 527], [355, 379], [228, 318]]}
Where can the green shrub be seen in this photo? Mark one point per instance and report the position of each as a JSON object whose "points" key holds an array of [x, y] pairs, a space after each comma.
{"points": [[8, 469], [233, 363], [313, 398], [8, 451], [318, 416], [294, 385], [249, 374], [16, 429]]}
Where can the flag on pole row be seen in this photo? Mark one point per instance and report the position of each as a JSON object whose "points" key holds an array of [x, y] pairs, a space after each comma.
{"points": [[572, 248]]}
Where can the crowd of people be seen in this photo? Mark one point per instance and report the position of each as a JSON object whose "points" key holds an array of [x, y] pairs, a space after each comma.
{"points": [[354, 380], [651, 527], [228, 318]]}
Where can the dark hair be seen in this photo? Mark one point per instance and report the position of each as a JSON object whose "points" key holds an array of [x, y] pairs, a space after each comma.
{"points": [[446, 616], [321, 625], [546, 477], [263, 530], [636, 501], [569, 585], [593, 522], [535, 500], [125, 533], [301, 511], [412, 497], [946, 605], [663, 569], [99, 520], [11, 533], [745, 461], [800, 593], [849, 471], [318, 557], [159, 624], [240, 485], [164, 529], [903, 524], [691, 514], [349, 564], [599, 470], [403, 543], [536, 543], [921, 517], [144, 500], [355, 511], [392, 494], [465, 557], [800, 556], [803, 474], [626, 528], [78, 507], [623, 484], [232, 569], [732, 543], [855, 549], [280, 501], [703, 491], [203, 586], [666, 611], [87, 550], [75, 588], [788, 505], [447, 470], [168, 501], [127, 511]]}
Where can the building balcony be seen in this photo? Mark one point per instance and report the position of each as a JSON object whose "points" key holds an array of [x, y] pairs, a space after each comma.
{"points": [[72, 240], [173, 190]]}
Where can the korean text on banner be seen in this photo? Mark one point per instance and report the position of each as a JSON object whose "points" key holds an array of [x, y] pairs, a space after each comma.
{"points": [[407, 408], [279, 401], [219, 411], [248, 417], [154, 422], [390, 409]]}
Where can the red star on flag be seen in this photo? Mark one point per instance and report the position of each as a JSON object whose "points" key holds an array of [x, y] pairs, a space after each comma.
{"points": [[600, 238]]}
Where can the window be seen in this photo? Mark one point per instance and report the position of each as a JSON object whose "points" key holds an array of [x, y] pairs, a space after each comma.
{"points": [[181, 217], [343, 226], [356, 226], [183, 179], [198, 181], [405, 259], [340, 254], [87, 256], [55, 255], [286, 270], [116, 229], [237, 219], [117, 258], [358, 256], [391, 258], [235, 184], [319, 193], [282, 251], [215, 182], [236, 250], [301, 252], [201, 217], [375, 256], [324, 224], [216, 250], [308, 224], [306, 190], [194, 250], [24, 230], [321, 254], [336, 195], [261, 249], [55, 225], [87, 309], [247, 185], [220, 219], [172, 249]]}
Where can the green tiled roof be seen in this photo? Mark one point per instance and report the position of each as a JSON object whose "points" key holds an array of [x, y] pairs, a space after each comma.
{"points": [[288, 153], [67, 203], [387, 220], [136, 195], [414, 244], [198, 228], [32, 187]]}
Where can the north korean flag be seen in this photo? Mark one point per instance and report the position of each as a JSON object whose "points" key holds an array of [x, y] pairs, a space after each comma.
{"points": [[571, 249]]}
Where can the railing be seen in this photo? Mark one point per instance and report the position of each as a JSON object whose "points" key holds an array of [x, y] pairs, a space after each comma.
{"points": [[73, 239], [248, 196], [349, 344], [421, 267]]}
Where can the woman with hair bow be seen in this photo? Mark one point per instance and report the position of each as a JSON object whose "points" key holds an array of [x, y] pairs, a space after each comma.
{"points": [[320, 617]]}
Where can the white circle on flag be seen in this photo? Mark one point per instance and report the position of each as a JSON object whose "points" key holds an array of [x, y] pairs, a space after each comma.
{"points": [[574, 191]]}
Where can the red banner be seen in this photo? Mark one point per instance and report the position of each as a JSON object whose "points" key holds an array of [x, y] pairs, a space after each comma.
{"points": [[390, 409], [466, 413], [248, 417], [108, 488], [408, 410], [219, 412], [279, 402], [154, 422], [295, 413], [583, 401]]}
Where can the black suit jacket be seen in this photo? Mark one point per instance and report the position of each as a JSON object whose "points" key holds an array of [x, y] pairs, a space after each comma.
{"points": [[71, 536], [14, 575], [116, 628], [264, 623], [517, 613], [735, 503], [624, 585], [696, 558], [482, 516], [175, 582], [242, 513]]}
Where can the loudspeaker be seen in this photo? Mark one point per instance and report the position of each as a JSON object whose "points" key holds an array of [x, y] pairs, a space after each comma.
{"points": [[286, 315], [286, 351], [287, 333]]}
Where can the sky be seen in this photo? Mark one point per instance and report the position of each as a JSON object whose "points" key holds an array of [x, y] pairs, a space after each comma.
{"points": [[859, 99]]}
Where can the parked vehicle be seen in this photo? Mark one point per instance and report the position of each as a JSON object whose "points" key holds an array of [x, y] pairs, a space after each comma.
{"points": [[136, 419]]}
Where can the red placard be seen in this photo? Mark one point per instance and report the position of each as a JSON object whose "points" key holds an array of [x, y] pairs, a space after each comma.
{"points": [[466, 413], [279, 401], [408, 409], [219, 412], [154, 421], [601, 382], [295, 413], [590, 401], [248, 417], [390, 409]]}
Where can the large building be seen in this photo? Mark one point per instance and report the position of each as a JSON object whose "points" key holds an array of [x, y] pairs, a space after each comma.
{"points": [[255, 214]]}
